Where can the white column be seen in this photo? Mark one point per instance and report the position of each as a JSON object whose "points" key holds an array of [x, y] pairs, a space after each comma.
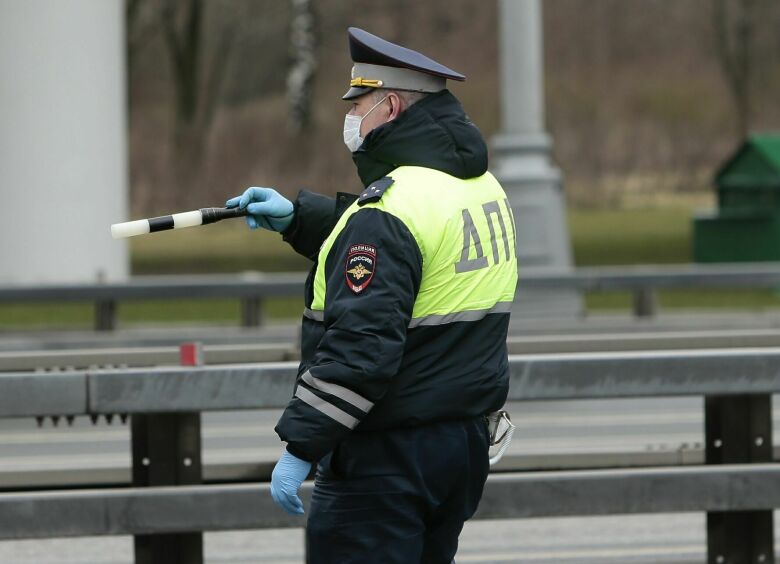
{"points": [[521, 66], [63, 149], [523, 164]]}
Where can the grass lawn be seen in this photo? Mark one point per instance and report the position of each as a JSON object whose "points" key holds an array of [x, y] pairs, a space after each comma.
{"points": [[141, 312], [650, 236], [228, 246], [599, 237]]}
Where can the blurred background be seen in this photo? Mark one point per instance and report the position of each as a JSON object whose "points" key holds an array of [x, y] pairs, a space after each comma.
{"points": [[127, 109], [645, 99]]}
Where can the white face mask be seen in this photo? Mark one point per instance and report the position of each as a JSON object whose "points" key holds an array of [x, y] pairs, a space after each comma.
{"points": [[352, 138]]}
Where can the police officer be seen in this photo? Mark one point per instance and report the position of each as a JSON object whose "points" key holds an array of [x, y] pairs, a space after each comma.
{"points": [[405, 322]]}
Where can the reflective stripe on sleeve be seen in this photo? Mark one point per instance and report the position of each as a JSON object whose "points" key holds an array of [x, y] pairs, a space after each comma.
{"points": [[316, 315], [471, 315], [339, 391], [327, 408]]}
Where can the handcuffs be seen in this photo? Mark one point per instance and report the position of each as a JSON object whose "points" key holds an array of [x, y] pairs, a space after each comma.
{"points": [[500, 429]]}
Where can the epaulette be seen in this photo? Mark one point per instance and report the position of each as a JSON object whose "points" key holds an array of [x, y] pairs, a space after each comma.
{"points": [[375, 191], [343, 201]]}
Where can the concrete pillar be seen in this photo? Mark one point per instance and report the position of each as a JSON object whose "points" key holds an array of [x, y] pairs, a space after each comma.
{"points": [[522, 162], [63, 148]]}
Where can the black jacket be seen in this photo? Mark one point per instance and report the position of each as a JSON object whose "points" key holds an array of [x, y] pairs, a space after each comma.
{"points": [[361, 367]]}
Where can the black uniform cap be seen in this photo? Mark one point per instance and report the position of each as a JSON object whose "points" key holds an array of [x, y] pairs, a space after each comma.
{"points": [[382, 59]]}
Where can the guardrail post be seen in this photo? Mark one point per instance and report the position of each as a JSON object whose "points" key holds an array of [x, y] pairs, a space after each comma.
{"points": [[645, 302], [251, 312], [167, 452], [738, 429], [105, 315]]}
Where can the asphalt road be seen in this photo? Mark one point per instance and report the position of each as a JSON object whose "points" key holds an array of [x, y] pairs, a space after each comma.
{"points": [[548, 433], [602, 540]]}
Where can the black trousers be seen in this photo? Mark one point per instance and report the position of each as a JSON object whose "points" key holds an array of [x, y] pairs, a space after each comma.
{"points": [[398, 496]]}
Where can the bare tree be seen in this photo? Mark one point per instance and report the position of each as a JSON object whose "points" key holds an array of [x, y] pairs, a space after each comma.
{"points": [[300, 77], [197, 81], [734, 23], [141, 26]]}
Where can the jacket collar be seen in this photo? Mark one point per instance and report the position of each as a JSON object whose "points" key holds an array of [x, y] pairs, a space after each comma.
{"points": [[433, 133]]}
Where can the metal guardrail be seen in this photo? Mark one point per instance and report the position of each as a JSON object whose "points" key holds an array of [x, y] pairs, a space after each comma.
{"points": [[738, 486], [250, 287], [268, 385], [253, 288], [124, 357], [166, 510], [119, 474]]}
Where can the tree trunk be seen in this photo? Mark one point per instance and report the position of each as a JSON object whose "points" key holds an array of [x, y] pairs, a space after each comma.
{"points": [[300, 78], [734, 25]]}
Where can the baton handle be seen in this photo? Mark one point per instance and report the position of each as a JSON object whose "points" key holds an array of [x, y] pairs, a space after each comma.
{"points": [[212, 215]]}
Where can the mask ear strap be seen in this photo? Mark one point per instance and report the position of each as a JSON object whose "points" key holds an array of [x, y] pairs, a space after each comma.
{"points": [[374, 107]]}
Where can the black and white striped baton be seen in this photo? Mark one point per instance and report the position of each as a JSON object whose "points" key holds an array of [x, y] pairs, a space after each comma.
{"points": [[175, 221]]}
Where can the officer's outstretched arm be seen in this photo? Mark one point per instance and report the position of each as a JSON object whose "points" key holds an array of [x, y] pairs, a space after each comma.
{"points": [[315, 216], [372, 275]]}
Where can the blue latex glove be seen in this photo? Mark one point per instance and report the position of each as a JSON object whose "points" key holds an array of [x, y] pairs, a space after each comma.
{"points": [[287, 477], [267, 207]]}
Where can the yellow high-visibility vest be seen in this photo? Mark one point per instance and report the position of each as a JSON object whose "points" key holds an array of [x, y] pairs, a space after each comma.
{"points": [[465, 231]]}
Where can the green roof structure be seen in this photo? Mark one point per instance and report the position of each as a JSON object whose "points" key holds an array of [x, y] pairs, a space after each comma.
{"points": [[755, 165], [746, 226]]}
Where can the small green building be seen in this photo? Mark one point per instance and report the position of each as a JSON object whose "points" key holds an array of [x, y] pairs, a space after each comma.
{"points": [[746, 225]]}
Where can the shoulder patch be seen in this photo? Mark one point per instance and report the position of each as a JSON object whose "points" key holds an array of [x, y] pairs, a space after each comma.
{"points": [[375, 191], [360, 267]]}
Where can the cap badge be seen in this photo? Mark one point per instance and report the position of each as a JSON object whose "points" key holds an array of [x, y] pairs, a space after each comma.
{"points": [[360, 81]]}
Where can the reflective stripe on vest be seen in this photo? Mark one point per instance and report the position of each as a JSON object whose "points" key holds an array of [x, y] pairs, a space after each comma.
{"points": [[466, 235]]}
